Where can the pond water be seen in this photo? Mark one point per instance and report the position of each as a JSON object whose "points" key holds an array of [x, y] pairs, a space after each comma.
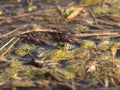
{"points": [[36, 38]]}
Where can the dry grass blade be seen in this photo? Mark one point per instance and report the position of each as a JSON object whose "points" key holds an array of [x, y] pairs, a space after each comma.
{"points": [[59, 9], [10, 47], [7, 43], [75, 13], [97, 34], [73, 84], [92, 15], [38, 30], [114, 48]]}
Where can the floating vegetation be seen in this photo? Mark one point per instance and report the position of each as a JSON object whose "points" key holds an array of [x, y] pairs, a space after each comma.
{"points": [[88, 44], [80, 27], [15, 64], [64, 73], [73, 66], [101, 10], [12, 71], [103, 71], [66, 12], [32, 8], [69, 47], [77, 67], [104, 44], [61, 55], [81, 53], [24, 49]]}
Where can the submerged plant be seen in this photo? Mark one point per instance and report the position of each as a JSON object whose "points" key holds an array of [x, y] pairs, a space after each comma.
{"points": [[12, 72], [105, 72], [72, 66], [76, 67], [63, 73]]}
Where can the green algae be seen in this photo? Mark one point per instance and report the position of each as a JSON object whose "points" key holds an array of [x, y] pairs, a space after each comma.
{"points": [[66, 11], [24, 49], [32, 8], [72, 67], [76, 67], [87, 44], [12, 71], [104, 44], [61, 55]]}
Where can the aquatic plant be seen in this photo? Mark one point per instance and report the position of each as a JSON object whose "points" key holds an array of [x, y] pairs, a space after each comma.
{"points": [[61, 55]]}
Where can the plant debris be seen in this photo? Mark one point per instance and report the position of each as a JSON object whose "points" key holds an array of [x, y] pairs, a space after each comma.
{"points": [[60, 44]]}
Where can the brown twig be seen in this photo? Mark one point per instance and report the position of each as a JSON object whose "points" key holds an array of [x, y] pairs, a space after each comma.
{"points": [[97, 34], [73, 84], [38, 30]]}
